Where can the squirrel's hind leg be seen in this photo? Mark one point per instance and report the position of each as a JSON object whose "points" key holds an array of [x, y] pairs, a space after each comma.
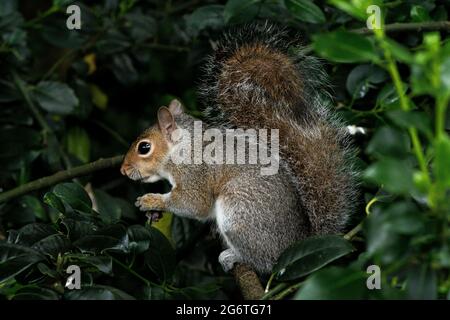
{"points": [[244, 242]]}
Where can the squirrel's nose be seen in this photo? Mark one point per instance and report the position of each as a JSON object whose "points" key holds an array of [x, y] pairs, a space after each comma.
{"points": [[123, 169]]}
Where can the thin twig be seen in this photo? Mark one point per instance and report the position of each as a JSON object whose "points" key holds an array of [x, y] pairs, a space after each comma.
{"points": [[166, 47], [61, 176], [349, 235], [39, 117]]}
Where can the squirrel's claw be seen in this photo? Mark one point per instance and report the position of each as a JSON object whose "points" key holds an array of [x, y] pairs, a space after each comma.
{"points": [[227, 259]]}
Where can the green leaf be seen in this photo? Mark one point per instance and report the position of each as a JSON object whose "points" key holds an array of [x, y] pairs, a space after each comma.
{"points": [[31, 233], [411, 119], [383, 241], [74, 195], [140, 238], [77, 229], [400, 52], [15, 259], [107, 206], [156, 293], [184, 230], [356, 8], [35, 293], [305, 10], [344, 47], [97, 292], [160, 256], [55, 97], [44, 269], [388, 97], [102, 263], [100, 243], [361, 77], [389, 141], [310, 255], [141, 27], [210, 16], [419, 14], [403, 218], [52, 245], [421, 283], [112, 238], [113, 41], [394, 175], [8, 7], [61, 37], [54, 201], [62, 3], [78, 143], [124, 70], [34, 205], [239, 8], [445, 76], [442, 161], [334, 283]]}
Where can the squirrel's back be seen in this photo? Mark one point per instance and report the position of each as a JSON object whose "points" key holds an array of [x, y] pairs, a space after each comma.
{"points": [[258, 78]]}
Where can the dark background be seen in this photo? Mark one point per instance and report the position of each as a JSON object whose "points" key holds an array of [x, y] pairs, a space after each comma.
{"points": [[68, 98]]}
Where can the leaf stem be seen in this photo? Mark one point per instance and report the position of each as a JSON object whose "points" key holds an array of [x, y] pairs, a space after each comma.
{"points": [[131, 271], [288, 291], [40, 118], [404, 102], [441, 106], [34, 110], [269, 282], [274, 291], [349, 235]]}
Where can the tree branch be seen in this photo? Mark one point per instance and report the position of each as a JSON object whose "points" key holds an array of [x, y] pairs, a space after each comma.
{"points": [[410, 26], [61, 176], [248, 281]]}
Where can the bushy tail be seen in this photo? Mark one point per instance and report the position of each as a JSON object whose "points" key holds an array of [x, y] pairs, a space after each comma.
{"points": [[257, 78]]}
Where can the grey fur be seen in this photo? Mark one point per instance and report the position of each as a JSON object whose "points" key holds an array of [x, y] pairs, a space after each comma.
{"points": [[260, 216]]}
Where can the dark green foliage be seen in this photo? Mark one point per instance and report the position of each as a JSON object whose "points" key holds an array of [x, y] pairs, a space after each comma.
{"points": [[70, 97]]}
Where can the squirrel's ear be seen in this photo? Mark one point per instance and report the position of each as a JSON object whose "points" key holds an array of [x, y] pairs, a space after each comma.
{"points": [[176, 107], [166, 122]]}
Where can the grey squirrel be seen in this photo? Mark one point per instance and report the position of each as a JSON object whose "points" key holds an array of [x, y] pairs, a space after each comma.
{"points": [[256, 78]]}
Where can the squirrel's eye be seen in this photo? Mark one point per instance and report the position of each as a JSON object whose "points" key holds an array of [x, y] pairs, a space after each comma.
{"points": [[144, 147]]}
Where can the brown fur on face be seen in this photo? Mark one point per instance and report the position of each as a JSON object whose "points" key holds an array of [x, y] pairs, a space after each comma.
{"points": [[147, 167], [137, 167]]}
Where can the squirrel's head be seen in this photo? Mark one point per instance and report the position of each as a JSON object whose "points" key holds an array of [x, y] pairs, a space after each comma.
{"points": [[150, 152]]}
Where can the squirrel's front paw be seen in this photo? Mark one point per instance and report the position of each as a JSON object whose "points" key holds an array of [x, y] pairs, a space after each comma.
{"points": [[227, 259], [149, 202]]}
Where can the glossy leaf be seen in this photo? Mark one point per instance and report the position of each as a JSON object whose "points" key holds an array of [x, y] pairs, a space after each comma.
{"points": [[305, 10], [345, 47], [334, 283], [73, 195], [310, 255], [55, 97]]}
